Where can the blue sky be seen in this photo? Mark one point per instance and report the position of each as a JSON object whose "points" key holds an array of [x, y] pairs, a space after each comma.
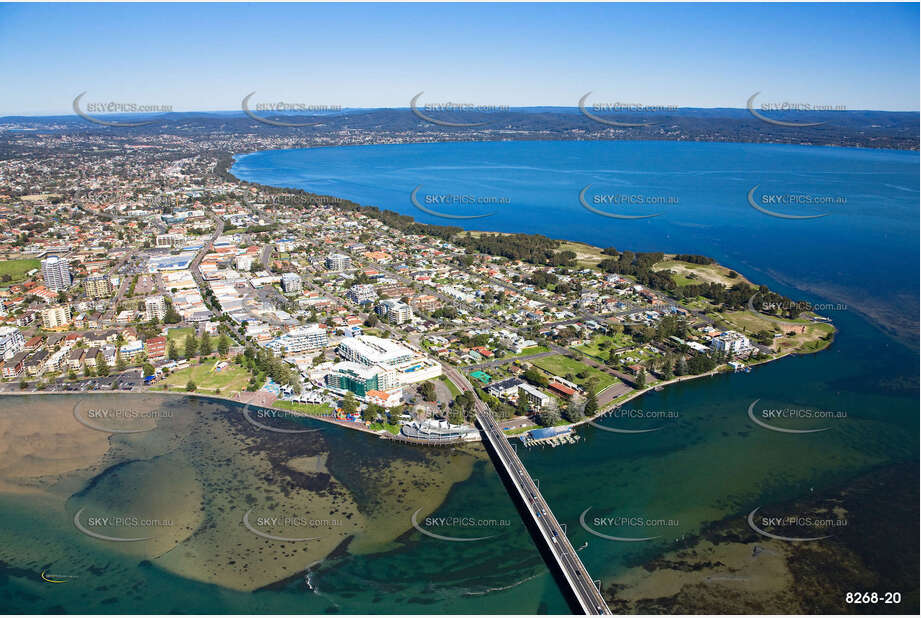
{"points": [[208, 56]]}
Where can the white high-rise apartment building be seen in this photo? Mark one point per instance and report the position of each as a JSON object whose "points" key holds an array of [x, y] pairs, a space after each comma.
{"points": [[56, 272], [155, 307]]}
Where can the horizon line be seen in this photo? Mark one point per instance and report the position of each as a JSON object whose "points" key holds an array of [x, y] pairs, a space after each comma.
{"points": [[407, 108]]}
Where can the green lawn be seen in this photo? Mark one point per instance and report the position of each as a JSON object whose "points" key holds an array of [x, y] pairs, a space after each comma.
{"points": [[16, 269], [640, 354], [561, 365], [394, 429], [594, 349], [231, 378], [519, 430], [586, 255], [698, 303], [451, 386], [179, 334], [317, 409], [536, 349], [704, 273], [684, 281]]}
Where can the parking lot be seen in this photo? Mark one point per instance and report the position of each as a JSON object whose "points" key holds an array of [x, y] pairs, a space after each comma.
{"points": [[131, 380]]}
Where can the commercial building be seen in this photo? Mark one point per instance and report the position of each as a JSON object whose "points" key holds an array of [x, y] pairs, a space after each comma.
{"points": [[338, 262], [410, 367], [504, 388], [536, 398], [155, 307], [360, 379], [370, 350], [56, 272], [169, 241], [431, 430], [169, 262], [55, 317], [384, 398], [98, 286], [291, 282]]}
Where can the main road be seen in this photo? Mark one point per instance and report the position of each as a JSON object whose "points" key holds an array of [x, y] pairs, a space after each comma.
{"points": [[557, 543]]}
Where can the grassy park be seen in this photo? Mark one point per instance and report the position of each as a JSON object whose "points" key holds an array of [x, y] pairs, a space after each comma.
{"points": [[560, 365], [601, 346], [315, 409], [179, 334], [230, 379], [16, 269]]}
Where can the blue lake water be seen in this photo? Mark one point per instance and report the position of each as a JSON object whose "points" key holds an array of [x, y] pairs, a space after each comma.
{"points": [[863, 254]]}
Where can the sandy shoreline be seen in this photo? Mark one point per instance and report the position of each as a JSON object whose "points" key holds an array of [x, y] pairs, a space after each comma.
{"points": [[338, 423]]}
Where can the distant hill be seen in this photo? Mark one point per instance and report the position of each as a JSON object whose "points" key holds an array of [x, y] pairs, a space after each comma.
{"points": [[864, 129]]}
